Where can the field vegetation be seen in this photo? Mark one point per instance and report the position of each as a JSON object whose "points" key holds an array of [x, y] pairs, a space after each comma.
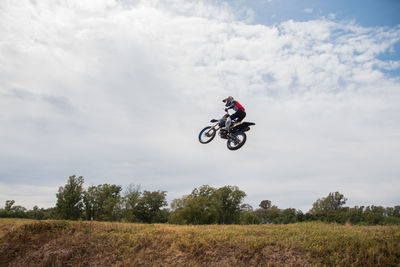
{"points": [[103, 226], [204, 205], [89, 243]]}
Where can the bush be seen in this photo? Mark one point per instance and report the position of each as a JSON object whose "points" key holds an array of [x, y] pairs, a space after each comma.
{"points": [[249, 218]]}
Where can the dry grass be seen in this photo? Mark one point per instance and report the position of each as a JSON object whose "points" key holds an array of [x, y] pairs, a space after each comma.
{"points": [[65, 243], [9, 225]]}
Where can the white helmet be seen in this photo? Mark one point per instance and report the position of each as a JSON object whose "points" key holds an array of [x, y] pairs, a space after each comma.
{"points": [[228, 101]]}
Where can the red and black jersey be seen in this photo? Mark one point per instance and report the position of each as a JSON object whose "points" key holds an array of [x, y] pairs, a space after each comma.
{"points": [[236, 106]]}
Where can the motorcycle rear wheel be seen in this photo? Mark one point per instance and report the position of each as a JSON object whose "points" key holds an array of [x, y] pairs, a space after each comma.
{"points": [[238, 142], [207, 135]]}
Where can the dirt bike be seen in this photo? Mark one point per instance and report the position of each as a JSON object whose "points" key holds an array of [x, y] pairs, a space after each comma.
{"points": [[236, 137]]}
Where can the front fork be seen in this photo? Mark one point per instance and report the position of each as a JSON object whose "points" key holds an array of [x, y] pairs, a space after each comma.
{"points": [[214, 128]]}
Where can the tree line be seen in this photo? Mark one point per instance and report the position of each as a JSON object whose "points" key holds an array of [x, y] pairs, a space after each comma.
{"points": [[204, 205]]}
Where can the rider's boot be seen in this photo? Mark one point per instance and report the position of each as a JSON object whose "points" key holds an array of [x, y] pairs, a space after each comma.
{"points": [[228, 124]]}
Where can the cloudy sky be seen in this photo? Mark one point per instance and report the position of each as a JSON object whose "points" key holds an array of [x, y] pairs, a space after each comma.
{"points": [[117, 91]]}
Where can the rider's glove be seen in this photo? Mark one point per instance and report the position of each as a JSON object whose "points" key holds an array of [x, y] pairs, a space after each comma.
{"points": [[226, 110]]}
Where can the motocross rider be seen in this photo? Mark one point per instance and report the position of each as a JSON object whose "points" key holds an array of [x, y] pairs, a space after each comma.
{"points": [[239, 114]]}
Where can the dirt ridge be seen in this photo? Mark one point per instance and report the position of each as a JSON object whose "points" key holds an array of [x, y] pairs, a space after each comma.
{"points": [[87, 244], [71, 243]]}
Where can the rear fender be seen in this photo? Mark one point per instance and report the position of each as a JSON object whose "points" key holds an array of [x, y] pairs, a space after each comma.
{"points": [[244, 126]]}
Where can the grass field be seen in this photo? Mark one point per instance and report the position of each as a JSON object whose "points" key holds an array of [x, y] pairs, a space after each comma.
{"points": [[68, 243]]}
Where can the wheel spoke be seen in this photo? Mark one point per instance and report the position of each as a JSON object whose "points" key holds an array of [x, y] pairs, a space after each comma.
{"points": [[237, 141], [206, 135]]}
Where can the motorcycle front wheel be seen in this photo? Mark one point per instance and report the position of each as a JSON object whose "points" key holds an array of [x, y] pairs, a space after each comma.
{"points": [[207, 135], [236, 142]]}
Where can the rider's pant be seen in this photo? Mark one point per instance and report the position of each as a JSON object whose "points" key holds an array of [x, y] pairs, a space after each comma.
{"points": [[239, 115]]}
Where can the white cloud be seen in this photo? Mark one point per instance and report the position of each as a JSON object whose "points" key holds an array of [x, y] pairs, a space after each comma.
{"points": [[308, 10], [117, 91]]}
